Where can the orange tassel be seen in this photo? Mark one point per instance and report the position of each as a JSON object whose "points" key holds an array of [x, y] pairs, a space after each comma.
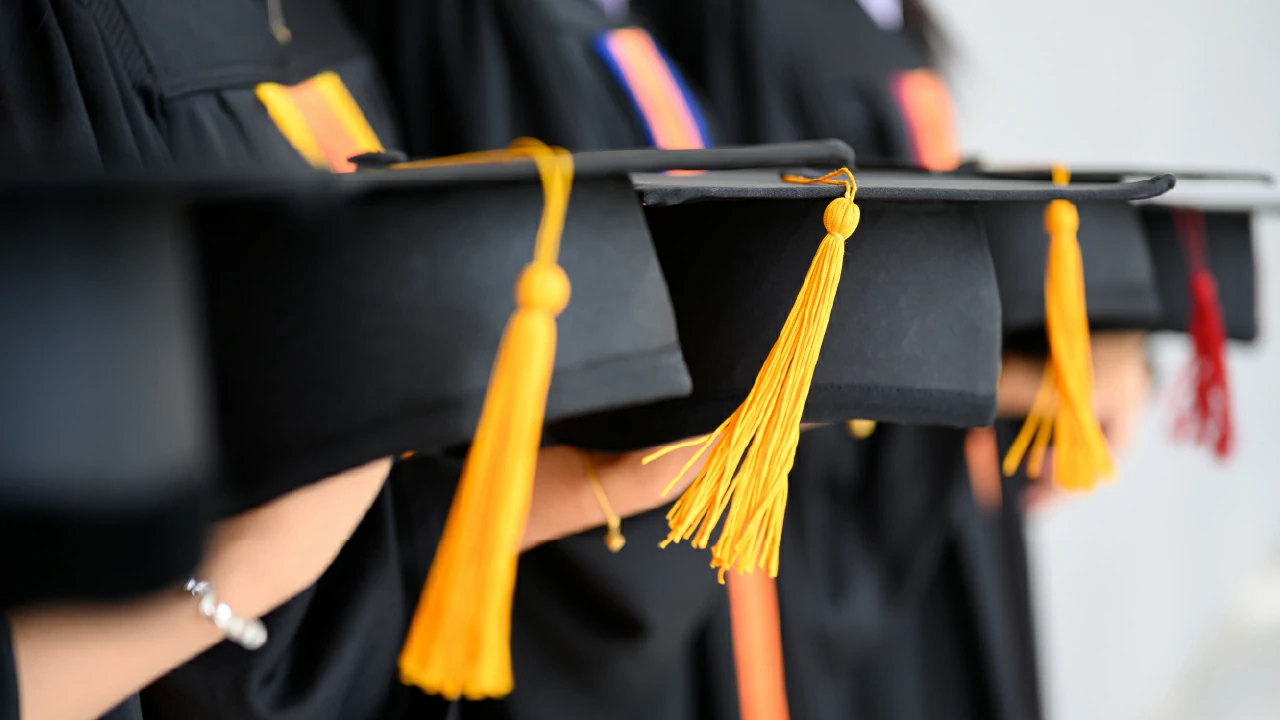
{"points": [[1063, 407], [459, 641], [748, 468]]}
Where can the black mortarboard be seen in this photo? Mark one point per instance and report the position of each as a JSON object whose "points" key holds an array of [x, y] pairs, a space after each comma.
{"points": [[914, 335], [1119, 279], [107, 444], [1091, 270], [360, 317], [1119, 282], [1201, 239], [1225, 204], [458, 642]]}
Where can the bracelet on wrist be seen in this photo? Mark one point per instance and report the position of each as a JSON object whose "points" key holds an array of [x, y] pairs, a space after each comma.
{"points": [[247, 632]]}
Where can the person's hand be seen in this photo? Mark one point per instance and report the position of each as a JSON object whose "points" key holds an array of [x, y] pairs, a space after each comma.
{"points": [[1122, 385], [564, 502]]}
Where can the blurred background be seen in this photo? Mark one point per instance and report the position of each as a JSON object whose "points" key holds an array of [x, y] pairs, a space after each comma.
{"points": [[1159, 596]]}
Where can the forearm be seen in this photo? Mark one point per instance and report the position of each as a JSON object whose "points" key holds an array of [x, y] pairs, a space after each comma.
{"points": [[1020, 379], [77, 662], [564, 502]]}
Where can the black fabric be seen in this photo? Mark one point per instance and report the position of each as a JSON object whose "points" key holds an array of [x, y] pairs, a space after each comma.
{"points": [[202, 61], [603, 635], [67, 95], [127, 86], [130, 709], [775, 72], [333, 649], [475, 74], [1119, 279], [1020, 620], [8, 674], [866, 525], [786, 72], [133, 84], [1229, 245], [952, 642], [108, 442]]}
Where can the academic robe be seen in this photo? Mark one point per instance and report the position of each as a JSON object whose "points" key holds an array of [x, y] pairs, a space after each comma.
{"points": [[862, 637], [594, 634], [128, 85]]}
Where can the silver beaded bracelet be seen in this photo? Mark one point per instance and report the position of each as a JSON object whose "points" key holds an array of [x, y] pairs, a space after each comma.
{"points": [[249, 633]]}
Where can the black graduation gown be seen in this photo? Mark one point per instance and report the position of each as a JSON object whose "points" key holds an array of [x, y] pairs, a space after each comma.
{"points": [[476, 74], [128, 85], [911, 620], [594, 634]]}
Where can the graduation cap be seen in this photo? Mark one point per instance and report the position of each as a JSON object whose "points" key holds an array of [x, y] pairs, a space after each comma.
{"points": [[913, 334], [107, 447], [1096, 250], [458, 644], [1119, 276], [1201, 240], [1227, 198], [357, 316], [1200, 243]]}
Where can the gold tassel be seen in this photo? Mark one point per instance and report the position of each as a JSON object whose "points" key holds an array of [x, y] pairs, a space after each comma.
{"points": [[763, 432], [1063, 406], [459, 642]]}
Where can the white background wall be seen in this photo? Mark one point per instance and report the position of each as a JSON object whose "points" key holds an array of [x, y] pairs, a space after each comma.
{"points": [[1134, 582]]}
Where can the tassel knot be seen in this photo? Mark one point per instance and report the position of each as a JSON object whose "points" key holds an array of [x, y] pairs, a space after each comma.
{"points": [[1061, 217], [543, 286], [841, 217]]}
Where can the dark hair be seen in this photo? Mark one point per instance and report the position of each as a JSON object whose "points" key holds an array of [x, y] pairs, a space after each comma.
{"points": [[920, 25]]}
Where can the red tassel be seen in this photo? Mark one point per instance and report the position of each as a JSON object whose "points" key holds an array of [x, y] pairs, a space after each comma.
{"points": [[1206, 418]]}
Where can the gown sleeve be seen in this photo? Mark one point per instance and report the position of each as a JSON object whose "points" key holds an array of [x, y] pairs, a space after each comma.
{"points": [[67, 89], [8, 674]]}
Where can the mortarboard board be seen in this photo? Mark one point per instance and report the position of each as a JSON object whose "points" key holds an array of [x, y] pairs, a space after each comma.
{"points": [[107, 446]]}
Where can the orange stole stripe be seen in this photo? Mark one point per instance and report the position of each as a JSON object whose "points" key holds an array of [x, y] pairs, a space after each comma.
{"points": [[655, 90], [757, 646], [321, 120], [926, 105], [338, 145]]}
